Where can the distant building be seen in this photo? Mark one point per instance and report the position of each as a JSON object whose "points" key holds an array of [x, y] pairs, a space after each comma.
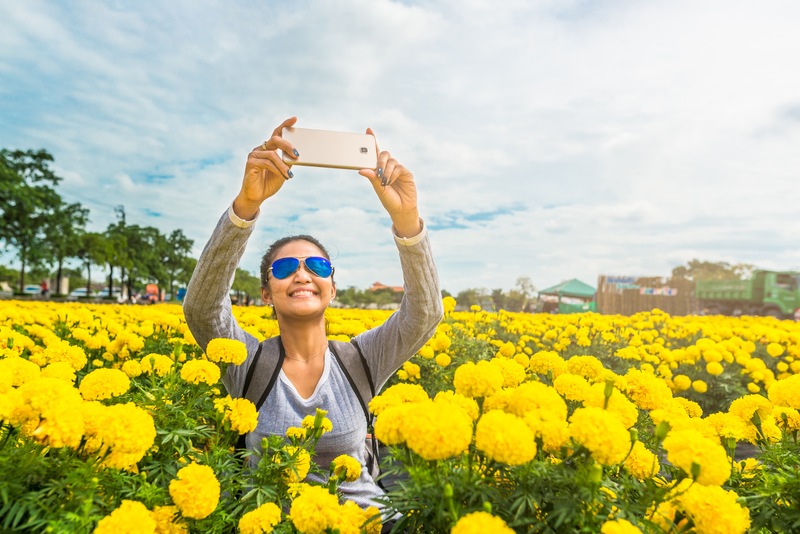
{"points": [[377, 286]]}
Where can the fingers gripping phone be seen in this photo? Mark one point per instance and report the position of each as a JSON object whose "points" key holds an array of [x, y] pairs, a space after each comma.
{"points": [[339, 150]]}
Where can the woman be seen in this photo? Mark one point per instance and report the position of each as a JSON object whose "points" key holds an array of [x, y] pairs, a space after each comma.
{"points": [[297, 280]]}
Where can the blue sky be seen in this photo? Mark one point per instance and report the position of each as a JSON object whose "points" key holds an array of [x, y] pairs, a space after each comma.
{"points": [[550, 139]]}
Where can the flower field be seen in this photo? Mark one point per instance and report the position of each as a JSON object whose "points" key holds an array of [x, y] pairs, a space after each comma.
{"points": [[113, 420]]}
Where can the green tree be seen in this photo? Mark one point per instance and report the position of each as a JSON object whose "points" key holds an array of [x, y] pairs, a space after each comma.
{"points": [[705, 270], [524, 290], [472, 296], [91, 251], [146, 249], [64, 234], [245, 283], [174, 254], [27, 204]]}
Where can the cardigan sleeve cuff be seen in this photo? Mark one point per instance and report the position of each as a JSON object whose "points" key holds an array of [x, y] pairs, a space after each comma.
{"points": [[238, 221]]}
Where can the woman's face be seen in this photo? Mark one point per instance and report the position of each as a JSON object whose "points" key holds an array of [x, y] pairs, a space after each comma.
{"points": [[302, 293]]}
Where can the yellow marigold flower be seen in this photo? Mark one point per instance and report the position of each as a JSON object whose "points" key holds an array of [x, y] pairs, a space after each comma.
{"points": [[513, 373], [748, 467], [619, 526], [691, 408], [745, 407], [470, 406], [536, 396], [222, 350], [647, 390], [552, 430], [53, 409], [300, 461], [727, 425], [475, 308], [602, 433], [689, 450], [443, 359], [699, 386], [752, 387], [426, 352], [775, 349], [168, 520], [784, 392], [617, 403], [314, 510], [714, 368], [498, 401], [480, 379], [196, 491], [449, 304], [61, 351], [350, 519], [132, 368], [390, 425], [188, 337], [5, 382], [156, 363], [505, 438], [262, 520], [713, 510], [103, 384], [131, 517], [436, 431], [124, 431], [346, 467], [641, 462], [507, 349], [318, 422], [410, 372], [547, 361], [397, 394], [588, 367], [571, 387], [480, 523], [60, 370], [19, 369], [786, 418], [440, 342], [373, 523], [242, 415], [522, 359], [296, 433], [681, 382], [197, 371]]}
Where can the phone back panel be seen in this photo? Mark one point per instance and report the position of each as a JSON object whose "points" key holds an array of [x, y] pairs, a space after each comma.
{"points": [[324, 148]]}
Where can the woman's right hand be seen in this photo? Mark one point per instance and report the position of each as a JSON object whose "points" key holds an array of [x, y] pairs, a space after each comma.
{"points": [[265, 173]]}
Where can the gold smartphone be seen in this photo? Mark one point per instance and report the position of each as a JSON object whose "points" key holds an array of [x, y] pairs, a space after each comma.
{"points": [[325, 148]]}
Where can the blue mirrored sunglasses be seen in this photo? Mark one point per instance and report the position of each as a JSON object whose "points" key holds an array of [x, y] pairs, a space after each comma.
{"points": [[285, 267]]}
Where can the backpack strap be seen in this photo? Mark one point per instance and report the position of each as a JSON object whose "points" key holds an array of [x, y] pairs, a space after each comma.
{"points": [[356, 369], [265, 368]]}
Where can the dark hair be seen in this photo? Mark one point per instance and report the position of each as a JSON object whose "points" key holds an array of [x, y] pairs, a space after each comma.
{"points": [[272, 251]]}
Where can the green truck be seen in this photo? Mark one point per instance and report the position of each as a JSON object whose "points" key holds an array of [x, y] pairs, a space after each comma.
{"points": [[771, 293]]}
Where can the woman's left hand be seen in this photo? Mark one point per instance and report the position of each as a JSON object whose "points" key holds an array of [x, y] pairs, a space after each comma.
{"points": [[397, 191]]}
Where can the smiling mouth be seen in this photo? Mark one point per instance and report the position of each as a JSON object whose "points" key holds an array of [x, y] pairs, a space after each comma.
{"points": [[303, 293]]}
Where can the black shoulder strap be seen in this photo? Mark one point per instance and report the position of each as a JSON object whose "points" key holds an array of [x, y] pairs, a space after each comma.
{"points": [[356, 369], [265, 368]]}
